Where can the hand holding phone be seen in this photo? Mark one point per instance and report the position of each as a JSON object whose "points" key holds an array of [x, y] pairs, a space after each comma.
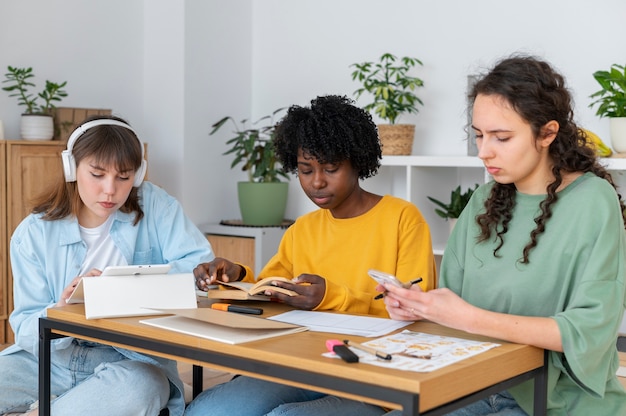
{"points": [[383, 278]]}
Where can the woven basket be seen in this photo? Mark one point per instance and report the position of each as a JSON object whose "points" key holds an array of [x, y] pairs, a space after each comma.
{"points": [[396, 139]]}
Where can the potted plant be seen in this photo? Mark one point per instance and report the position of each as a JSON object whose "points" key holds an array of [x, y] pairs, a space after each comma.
{"points": [[611, 102], [452, 210], [37, 121], [393, 90], [263, 197]]}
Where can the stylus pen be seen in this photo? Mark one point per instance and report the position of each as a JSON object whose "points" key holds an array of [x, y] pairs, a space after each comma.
{"points": [[380, 354], [236, 308], [406, 286]]}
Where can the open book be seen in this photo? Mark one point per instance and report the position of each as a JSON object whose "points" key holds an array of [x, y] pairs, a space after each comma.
{"points": [[249, 291]]}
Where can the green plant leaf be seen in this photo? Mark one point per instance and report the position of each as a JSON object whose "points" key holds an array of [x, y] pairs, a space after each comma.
{"points": [[458, 202], [391, 86], [611, 98], [19, 84], [252, 147]]}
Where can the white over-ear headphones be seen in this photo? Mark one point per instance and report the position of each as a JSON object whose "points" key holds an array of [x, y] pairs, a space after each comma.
{"points": [[69, 163]]}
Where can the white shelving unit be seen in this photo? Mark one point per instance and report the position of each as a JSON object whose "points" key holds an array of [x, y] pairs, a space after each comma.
{"points": [[253, 246], [414, 178]]}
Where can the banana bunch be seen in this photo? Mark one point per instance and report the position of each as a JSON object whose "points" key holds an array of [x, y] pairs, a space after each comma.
{"points": [[602, 149]]}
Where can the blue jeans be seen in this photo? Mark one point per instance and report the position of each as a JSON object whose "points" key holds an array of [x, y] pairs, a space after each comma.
{"points": [[501, 404], [246, 396], [89, 379]]}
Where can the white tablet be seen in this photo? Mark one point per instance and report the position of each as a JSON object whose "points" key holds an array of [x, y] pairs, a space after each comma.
{"points": [[78, 295], [136, 270]]}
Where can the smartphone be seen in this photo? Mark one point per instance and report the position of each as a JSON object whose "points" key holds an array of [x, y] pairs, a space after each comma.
{"points": [[382, 277], [136, 270]]}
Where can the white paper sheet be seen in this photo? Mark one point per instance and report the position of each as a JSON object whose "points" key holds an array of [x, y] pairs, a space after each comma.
{"points": [[339, 323]]}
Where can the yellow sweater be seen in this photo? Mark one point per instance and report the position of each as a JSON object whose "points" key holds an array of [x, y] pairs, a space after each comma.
{"points": [[392, 237]]}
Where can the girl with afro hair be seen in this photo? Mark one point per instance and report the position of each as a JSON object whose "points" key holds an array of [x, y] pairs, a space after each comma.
{"points": [[330, 146]]}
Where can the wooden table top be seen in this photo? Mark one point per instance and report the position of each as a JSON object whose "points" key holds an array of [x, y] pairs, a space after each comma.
{"points": [[304, 350]]}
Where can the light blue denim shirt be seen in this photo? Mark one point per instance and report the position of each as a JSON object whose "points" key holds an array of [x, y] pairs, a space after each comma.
{"points": [[47, 255]]}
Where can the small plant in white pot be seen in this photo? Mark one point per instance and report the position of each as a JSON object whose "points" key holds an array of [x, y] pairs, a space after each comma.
{"points": [[393, 90], [611, 102], [452, 210], [263, 198], [37, 121]]}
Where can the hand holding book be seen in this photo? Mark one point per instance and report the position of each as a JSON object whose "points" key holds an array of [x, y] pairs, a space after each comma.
{"points": [[209, 274], [250, 291]]}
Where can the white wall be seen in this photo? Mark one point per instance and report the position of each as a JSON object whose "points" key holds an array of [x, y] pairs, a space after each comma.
{"points": [[93, 46], [173, 67], [304, 48], [218, 55], [163, 105]]}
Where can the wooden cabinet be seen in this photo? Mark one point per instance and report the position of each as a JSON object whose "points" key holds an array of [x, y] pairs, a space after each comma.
{"points": [[252, 246], [4, 252], [26, 169]]}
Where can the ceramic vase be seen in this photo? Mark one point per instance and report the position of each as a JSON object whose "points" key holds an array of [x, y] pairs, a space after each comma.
{"points": [[262, 203], [451, 224], [618, 134], [36, 127]]}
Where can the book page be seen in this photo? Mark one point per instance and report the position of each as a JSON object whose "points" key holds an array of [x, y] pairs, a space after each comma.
{"points": [[259, 287]]}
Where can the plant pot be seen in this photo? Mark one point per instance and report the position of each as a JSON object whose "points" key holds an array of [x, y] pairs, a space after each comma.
{"points": [[618, 134], [36, 127], [262, 203], [451, 224], [396, 139]]}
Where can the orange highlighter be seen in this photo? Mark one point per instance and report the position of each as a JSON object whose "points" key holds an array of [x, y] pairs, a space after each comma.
{"points": [[227, 307]]}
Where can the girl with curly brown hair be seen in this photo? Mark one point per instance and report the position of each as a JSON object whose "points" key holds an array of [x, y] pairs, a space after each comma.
{"points": [[537, 257]]}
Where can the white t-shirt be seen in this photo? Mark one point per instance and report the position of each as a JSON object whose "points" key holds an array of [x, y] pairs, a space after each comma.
{"points": [[101, 251]]}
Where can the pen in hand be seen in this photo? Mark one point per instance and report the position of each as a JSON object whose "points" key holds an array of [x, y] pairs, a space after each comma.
{"points": [[406, 286]]}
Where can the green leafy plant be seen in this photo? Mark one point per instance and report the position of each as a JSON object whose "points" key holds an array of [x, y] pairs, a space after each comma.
{"points": [[458, 201], [20, 82], [253, 147], [611, 99], [389, 82]]}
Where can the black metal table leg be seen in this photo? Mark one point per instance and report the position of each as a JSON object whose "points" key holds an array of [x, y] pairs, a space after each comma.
{"points": [[541, 389], [197, 380]]}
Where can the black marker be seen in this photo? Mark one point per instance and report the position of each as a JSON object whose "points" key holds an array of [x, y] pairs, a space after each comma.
{"points": [[235, 308]]}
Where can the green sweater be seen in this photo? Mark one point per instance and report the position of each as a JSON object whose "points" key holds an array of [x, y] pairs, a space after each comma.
{"points": [[575, 275]]}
